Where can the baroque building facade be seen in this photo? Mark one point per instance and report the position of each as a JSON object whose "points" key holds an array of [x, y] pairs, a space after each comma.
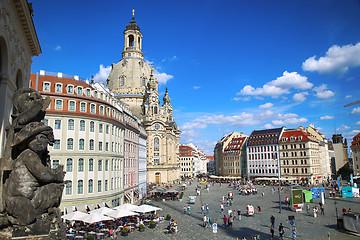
{"points": [[355, 148], [133, 82], [96, 139]]}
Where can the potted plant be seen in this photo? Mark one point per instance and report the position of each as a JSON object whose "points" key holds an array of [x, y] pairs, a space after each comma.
{"points": [[141, 227], [168, 217], [90, 236], [125, 231], [152, 224]]}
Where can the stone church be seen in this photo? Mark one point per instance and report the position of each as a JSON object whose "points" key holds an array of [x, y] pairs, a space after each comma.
{"points": [[133, 82]]}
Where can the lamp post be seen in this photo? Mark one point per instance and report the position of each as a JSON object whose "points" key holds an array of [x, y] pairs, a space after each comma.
{"points": [[279, 171], [335, 204]]}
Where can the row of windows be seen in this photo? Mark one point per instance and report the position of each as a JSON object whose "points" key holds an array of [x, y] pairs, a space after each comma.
{"points": [[294, 162], [82, 126], [90, 187], [83, 107], [263, 171], [294, 154], [263, 149], [115, 165], [262, 156], [295, 170], [293, 146], [185, 169]]}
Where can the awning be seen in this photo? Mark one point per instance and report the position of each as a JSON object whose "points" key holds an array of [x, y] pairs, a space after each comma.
{"points": [[101, 204], [91, 206], [109, 204]]}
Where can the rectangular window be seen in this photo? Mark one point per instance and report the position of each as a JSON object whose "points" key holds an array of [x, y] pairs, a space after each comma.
{"points": [[107, 129], [107, 165], [45, 121], [71, 106], [83, 107], [57, 124], [100, 146], [100, 128], [106, 146], [70, 89], [99, 186], [58, 104], [88, 92], [56, 144], [92, 108], [106, 185], [100, 165], [79, 90]]}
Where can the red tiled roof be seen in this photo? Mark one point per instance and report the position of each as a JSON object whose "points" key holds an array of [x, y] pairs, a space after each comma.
{"points": [[293, 136], [235, 144], [356, 140]]}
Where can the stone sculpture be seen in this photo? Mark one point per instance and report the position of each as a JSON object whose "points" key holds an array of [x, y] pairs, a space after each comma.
{"points": [[31, 190]]}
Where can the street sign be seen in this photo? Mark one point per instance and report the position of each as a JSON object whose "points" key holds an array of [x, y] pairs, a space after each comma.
{"points": [[215, 228]]}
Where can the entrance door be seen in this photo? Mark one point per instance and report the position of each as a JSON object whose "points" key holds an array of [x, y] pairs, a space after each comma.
{"points": [[157, 178]]}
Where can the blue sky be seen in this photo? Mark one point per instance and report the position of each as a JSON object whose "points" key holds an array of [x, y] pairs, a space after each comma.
{"points": [[231, 65]]}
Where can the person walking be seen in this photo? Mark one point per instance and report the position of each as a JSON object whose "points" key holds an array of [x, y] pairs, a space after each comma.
{"points": [[204, 221], [229, 212], [307, 209], [207, 209], [281, 231], [230, 221], [225, 219], [188, 209], [322, 208], [202, 209], [294, 233], [222, 208], [272, 231], [239, 214], [272, 220], [208, 222], [185, 209]]}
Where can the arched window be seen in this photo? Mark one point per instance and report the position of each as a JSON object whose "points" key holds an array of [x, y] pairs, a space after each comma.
{"points": [[82, 125], [80, 187], [156, 144], [70, 144], [143, 81], [81, 165], [71, 124], [92, 126], [71, 106], [91, 165], [90, 186], [122, 81], [81, 144], [68, 188], [69, 165], [131, 40], [91, 145]]}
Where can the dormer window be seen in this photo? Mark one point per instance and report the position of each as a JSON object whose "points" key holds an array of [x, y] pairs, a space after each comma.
{"points": [[79, 90], [58, 87], [101, 110], [70, 89], [88, 92], [46, 86]]}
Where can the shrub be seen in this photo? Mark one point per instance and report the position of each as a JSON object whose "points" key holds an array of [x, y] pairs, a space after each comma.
{"points": [[90, 236]]}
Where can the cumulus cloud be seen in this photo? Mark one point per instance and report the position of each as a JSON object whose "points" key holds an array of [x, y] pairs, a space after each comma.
{"points": [[327, 117], [162, 77], [351, 134], [196, 87], [288, 119], [266, 106], [244, 119], [343, 127], [241, 99], [169, 59], [58, 48], [300, 97], [336, 60], [268, 126], [279, 86], [322, 92], [356, 110], [102, 74]]}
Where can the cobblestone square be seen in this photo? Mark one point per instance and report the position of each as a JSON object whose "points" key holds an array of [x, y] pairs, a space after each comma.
{"points": [[190, 226]]}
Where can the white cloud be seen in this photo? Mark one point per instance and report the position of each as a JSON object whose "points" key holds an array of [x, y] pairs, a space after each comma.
{"points": [[169, 59], [162, 77], [102, 74], [343, 127], [348, 96], [196, 87], [356, 110], [266, 106], [268, 126], [358, 123], [337, 59], [288, 119], [241, 99], [327, 117], [279, 86], [322, 92], [351, 134], [300, 97], [58, 48]]}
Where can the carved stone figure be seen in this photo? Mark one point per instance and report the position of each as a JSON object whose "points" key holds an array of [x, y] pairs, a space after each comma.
{"points": [[31, 190]]}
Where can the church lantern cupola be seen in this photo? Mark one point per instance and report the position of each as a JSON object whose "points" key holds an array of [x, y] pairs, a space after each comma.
{"points": [[132, 40]]}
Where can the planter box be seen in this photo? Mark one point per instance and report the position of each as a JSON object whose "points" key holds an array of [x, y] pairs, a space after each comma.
{"points": [[124, 233], [142, 229], [152, 225]]}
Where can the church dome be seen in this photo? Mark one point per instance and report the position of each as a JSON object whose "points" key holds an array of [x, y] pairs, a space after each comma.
{"points": [[132, 25]]}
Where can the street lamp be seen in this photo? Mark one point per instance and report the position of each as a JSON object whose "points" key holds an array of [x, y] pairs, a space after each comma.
{"points": [[279, 171]]}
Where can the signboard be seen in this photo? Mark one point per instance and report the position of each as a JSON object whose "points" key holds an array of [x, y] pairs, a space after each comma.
{"points": [[215, 228], [316, 192], [297, 196]]}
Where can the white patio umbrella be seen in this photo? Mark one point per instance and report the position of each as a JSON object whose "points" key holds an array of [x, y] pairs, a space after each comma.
{"points": [[102, 211], [95, 217], [75, 216], [121, 213], [146, 208], [127, 206]]}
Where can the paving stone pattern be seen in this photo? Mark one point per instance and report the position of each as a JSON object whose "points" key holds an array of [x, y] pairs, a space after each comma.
{"points": [[190, 226]]}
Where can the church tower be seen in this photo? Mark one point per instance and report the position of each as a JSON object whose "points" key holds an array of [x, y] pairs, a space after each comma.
{"points": [[128, 77], [133, 81]]}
